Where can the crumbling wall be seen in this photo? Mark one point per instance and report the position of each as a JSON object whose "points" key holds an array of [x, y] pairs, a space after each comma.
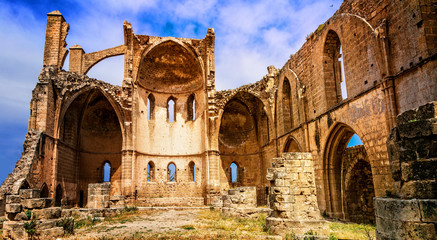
{"points": [[23, 168], [411, 211]]}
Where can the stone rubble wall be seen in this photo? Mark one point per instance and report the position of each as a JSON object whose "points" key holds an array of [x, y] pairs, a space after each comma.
{"points": [[27, 206], [293, 196], [241, 202], [411, 211], [23, 167]]}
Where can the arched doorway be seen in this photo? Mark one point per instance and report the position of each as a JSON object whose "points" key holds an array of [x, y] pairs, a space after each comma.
{"points": [[44, 191], [90, 136], [348, 177], [58, 196]]}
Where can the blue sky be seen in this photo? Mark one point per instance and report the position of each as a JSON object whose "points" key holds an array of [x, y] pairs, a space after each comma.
{"points": [[250, 35]]}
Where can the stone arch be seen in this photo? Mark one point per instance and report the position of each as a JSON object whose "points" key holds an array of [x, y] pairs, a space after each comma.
{"points": [[90, 134], [184, 68], [335, 170], [291, 145], [69, 98]]}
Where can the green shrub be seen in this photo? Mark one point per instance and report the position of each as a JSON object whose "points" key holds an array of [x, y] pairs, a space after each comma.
{"points": [[30, 228], [67, 224]]}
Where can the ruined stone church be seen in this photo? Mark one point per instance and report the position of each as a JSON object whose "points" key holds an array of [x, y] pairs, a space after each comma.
{"points": [[171, 139]]}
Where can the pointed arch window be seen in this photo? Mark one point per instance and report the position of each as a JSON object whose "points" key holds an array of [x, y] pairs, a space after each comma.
{"points": [[171, 109], [333, 68], [150, 106], [191, 108]]}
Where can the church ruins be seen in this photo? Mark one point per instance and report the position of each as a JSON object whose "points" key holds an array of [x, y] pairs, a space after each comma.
{"points": [[171, 139]]}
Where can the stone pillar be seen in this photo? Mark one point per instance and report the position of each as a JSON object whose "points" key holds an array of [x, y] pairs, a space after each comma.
{"points": [[293, 196], [98, 195], [56, 32], [76, 59], [411, 211]]}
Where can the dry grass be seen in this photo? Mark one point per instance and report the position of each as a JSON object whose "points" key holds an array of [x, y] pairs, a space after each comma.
{"points": [[352, 231], [206, 224]]}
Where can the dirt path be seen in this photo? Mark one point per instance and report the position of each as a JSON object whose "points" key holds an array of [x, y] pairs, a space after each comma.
{"points": [[144, 223]]}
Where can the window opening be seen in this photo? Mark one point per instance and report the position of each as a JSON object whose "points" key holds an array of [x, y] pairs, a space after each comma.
{"points": [[171, 172], [234, 172], [107, 172], [343, 79], [171, 110], [192, 173], [150, 106], [150, 172]]}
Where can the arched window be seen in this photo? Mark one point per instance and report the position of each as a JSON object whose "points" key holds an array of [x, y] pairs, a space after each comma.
{"points": [[286, 106], [333, 68], [192, 172], [171, 172], [234, 172], [150, 172], [171, 110], [191, 108], [150, 106], [107, 172]]}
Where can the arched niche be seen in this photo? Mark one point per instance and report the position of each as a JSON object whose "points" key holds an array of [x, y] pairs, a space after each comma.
{"points": [[170, 67], [90, 134]]}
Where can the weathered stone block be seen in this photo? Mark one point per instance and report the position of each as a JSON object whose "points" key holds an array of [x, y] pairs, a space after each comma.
{"points": [[36, 203], [21, 217], [29, 193], [52, 233], [13, 199], [48, 213], [13, 208], [14, 230]]}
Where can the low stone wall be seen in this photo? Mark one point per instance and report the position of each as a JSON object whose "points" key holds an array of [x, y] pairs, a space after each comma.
{"points": [[169, 201], [99, 195], [28, 206], [293, 196], [412, 148]]}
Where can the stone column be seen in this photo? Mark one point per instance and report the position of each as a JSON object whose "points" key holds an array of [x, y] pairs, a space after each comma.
{"points": [[293, 196]]}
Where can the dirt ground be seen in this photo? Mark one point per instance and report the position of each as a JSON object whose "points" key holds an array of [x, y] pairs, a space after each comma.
{"points": [[170, 224]]}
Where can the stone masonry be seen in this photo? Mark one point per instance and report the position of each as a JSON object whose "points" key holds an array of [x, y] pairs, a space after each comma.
{"points": [[293, 196], [411, 211], [383, 50]]}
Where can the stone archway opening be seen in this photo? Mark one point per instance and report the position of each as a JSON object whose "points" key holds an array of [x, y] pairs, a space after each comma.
{"points": [[244, 130], [90, 137], [348, 179]]}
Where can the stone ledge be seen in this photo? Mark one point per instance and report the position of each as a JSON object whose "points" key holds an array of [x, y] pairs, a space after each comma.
{"points": [[282, 226]]}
